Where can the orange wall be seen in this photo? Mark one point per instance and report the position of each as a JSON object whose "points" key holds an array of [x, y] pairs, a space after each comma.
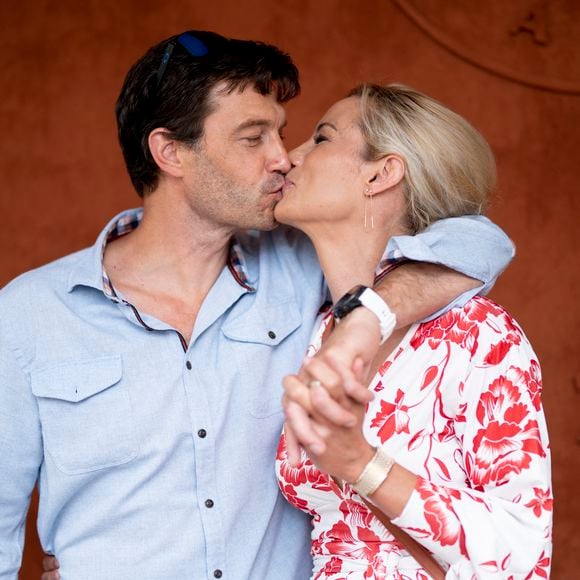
{"points": [[62, 64]]}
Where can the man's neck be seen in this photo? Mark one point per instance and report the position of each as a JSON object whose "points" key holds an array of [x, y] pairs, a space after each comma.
{"points": [[167, 266]]}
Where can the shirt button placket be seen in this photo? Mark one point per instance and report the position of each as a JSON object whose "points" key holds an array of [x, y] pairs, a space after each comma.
{"points": [[204, 452]]}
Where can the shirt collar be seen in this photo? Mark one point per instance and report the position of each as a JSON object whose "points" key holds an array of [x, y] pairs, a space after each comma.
{"points": [[90, 271]]}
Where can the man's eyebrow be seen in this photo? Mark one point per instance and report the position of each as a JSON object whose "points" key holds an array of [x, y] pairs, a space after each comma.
{"points": [[325, 124], [251, 123]]}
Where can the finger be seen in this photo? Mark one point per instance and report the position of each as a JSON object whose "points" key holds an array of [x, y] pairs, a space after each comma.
{"points": [[293, 448], [303, 427], [325, 406], [354, 383], [295, 391], [322, 430], [358, 369], [340, 362], [49, 563], [54, 575], [319, 369]]}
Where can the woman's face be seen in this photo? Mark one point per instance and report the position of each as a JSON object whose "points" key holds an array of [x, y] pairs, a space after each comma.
{"points": [[326, 182]]}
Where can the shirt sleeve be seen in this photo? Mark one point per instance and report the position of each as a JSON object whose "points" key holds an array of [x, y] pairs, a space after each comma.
{"points": [[20, 458], [472, 245], [500, 523]]}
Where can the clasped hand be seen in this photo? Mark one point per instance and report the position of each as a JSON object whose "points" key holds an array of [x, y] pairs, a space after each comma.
{"points": [[325, 404]]}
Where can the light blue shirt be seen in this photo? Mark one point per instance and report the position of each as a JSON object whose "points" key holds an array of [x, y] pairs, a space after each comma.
{"points": [[156, 462]]}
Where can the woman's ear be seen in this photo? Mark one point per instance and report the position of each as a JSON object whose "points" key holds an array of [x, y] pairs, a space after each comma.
{"points": [[390, 172], [165, 152]]}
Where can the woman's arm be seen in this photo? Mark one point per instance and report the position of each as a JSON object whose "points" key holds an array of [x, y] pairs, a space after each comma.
{"points": [[450, 262], [500, 518]]}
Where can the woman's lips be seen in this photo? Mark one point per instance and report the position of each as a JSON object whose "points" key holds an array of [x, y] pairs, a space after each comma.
{"points": [[287, 185]]}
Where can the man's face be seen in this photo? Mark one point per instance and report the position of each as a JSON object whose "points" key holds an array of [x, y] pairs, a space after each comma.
{"points": [[237, 168]]}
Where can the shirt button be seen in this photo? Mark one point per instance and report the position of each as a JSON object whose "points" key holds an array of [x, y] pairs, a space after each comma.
{"points": [[208, 503], [188, 365], [202, 433], [272, 334], [217, 573]]}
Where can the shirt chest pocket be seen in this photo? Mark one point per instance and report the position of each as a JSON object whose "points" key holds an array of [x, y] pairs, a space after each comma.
{"points": [[266, 352], [85, 413]]}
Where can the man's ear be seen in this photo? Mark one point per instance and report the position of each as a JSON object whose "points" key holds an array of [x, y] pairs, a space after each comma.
{"points": [[165, 152], [389, 172]]}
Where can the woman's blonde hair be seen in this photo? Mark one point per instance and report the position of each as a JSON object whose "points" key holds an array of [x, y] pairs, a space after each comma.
{"points": [[449, 167]]}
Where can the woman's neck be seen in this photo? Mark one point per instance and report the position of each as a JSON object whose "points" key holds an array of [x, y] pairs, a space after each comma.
{"points": [[349, 256]]}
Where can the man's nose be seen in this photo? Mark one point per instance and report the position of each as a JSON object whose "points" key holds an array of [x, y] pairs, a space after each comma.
{"points": [[279, 160]]}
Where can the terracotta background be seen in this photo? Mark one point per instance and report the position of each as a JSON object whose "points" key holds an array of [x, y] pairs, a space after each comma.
{"points": [[63, 62]]}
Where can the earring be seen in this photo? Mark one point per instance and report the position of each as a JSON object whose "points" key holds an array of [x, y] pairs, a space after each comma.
{"points": [[368, 193]]}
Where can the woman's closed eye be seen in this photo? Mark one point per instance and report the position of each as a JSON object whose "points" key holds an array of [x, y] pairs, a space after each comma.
{"points": [[320, 138]]}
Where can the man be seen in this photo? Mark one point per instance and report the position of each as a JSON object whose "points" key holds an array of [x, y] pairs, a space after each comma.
{"points": [[140, 379]]}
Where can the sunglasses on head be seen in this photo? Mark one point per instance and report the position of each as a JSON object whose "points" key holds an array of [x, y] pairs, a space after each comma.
{"points": [[196, 47]]}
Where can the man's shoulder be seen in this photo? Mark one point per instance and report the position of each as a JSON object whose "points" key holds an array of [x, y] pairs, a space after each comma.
{"points": [[50, 277]]}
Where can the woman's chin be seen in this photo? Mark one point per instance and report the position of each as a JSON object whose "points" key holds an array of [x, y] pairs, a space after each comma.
{"points": [[283, 212]]}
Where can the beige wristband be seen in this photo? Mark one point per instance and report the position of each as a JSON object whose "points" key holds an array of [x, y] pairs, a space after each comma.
{"points": [[374, 473]]}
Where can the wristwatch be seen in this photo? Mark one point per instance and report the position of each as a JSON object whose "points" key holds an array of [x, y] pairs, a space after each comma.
{"points": [[365, 296]]}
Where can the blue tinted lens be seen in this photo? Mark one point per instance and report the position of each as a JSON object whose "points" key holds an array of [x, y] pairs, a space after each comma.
{"points": [[193, 45]]}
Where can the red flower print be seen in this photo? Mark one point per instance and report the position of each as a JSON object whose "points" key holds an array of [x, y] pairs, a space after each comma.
{"points": [[541, 569], [384, 367], [316, 546], [454, 326], [392, 418], [507, 438], [359, 514], [480, 309], [289, 492], [434, 331], [333, 566], [530, 380], [376, 568], [341, 541], [305, 472], [440, 515], [494, 567], [513, 336], [542, 501], [459, 325]]}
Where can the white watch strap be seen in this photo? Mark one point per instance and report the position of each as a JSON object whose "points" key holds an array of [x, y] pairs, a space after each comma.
{"points": [[387, 318]]}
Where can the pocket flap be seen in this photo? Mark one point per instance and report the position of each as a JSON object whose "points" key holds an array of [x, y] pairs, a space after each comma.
{"points": [[273, 324], [77, 380]]}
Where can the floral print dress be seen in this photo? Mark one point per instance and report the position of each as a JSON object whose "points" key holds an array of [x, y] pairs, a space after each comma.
{"points": [[457, 403]]}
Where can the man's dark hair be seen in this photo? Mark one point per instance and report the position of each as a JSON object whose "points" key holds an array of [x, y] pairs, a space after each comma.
{"points": [[175, 94]]}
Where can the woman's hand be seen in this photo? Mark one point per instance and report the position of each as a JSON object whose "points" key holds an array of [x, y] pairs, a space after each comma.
{"points": [[330, 433], [50, 566], [297, 403], [341, 366]]}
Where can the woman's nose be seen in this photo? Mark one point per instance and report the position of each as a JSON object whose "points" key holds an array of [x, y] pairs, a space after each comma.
{"points": [[296, 156]]}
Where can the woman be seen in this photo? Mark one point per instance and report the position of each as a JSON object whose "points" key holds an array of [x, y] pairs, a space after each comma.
{"points": [[455, 431]]}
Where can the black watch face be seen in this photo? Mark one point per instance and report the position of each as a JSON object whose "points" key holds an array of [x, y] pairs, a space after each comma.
{"points": [[348, 302]]}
